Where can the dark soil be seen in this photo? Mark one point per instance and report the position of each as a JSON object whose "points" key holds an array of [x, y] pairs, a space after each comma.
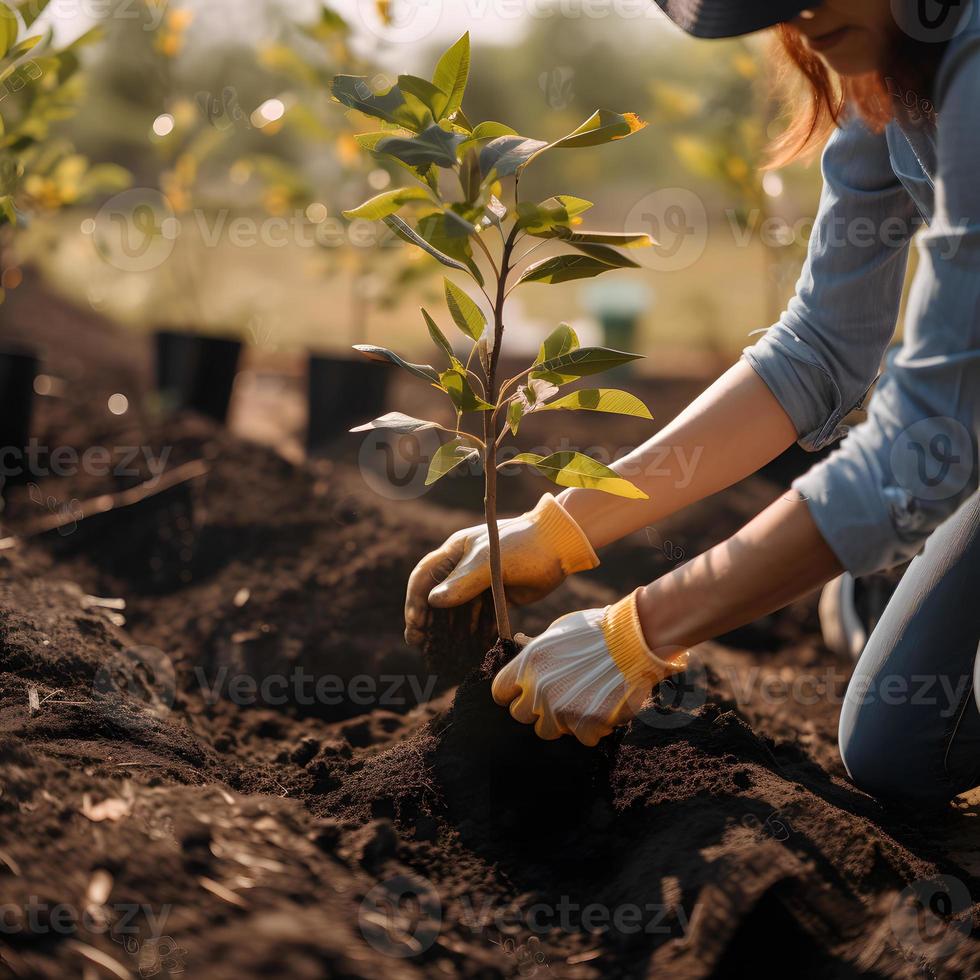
{"points": [[177, 799]]}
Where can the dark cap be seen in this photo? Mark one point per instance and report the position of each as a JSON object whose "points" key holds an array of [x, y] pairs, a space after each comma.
{"points": [[729, 18]]}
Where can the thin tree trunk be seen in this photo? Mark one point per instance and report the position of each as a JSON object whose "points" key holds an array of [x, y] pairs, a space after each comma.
{"points": [[490, 438]]}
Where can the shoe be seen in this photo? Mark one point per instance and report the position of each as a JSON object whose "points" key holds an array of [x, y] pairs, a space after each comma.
{"points": [[850, 608]]}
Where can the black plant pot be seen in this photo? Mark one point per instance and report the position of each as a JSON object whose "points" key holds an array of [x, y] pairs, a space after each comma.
{"points": [[195, 372], [342, 393], [18, 369]]}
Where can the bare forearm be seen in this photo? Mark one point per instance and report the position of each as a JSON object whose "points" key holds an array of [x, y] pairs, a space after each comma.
{"points": [[726, 433], [777, 557]]}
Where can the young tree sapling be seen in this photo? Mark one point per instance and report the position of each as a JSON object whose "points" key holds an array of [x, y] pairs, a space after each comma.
{"points": [[460, 215]]}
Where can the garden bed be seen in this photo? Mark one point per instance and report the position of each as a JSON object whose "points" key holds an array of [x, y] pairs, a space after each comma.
{"points": [[367, 834]]}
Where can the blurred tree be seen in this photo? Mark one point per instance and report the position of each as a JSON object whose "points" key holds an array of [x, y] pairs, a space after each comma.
{"points": [[41, 85]]}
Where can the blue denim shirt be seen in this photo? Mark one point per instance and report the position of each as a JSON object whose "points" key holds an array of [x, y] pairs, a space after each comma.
{"points": [[909, 465]]}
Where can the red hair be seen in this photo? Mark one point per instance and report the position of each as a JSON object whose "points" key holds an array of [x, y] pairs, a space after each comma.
{"points": [[818, 97]]}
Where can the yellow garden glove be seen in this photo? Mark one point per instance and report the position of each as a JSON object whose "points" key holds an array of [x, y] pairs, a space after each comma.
{"points": [[537, 551], [587, 673]]}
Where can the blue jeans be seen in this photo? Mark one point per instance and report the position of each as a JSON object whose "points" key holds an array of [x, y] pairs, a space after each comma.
{"points": [[910, 727]]}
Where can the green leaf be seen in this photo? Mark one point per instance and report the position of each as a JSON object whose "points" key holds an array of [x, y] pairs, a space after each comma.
{"points": [[447, 457], [621, 239], [552, 215], [434, 145], [368, 141], [388, 203], [432, 97], [465, 313], [560, 341], [424, 371], [409, 234], [439, 338], [22, 47], [391, 105], [486, 131], [457, 385], [507, 154], [603, 253], [515, 411], [8, 29], [564, 268], [601, 400], [469, 174], [7, 209], [451, 74], [449, 233], [30, 10], [571, 469], [602, 126], [581, 362], [397, 422]]}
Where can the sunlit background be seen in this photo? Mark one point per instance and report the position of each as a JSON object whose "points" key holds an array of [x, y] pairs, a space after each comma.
{"points": [[240, 164]]}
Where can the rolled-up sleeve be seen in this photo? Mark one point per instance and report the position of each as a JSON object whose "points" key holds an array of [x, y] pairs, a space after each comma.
{"points": [[825, 351], [905, 469]]}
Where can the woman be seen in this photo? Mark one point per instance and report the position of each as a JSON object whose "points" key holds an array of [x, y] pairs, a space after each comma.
{"points": [[898, 83]]}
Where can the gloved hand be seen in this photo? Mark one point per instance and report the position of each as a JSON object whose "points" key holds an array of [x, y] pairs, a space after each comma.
{"points": [[537, 550], [587, 673]]}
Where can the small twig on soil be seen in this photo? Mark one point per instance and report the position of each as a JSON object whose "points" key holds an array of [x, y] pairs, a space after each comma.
{"points": [[126, 498], [99, 958], [222, 892], [7, 543], [33, 701], [10, 862]]}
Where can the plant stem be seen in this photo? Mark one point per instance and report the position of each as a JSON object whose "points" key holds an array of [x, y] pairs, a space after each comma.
{"points": [[490, 460]]}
